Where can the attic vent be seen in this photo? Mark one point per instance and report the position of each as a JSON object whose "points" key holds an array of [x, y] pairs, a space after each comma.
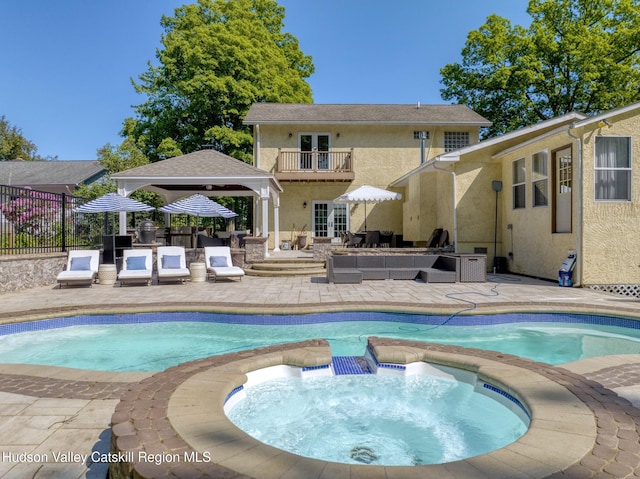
{"points": [[420, 135]]}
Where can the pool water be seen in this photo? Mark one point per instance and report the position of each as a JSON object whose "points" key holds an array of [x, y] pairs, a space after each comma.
{"points": [[377, 420], [154, 342]]}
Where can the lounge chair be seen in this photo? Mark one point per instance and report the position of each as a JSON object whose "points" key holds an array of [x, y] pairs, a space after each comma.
{"points": [[82, 268], [172, 264], [219, 264], [137, 266]]}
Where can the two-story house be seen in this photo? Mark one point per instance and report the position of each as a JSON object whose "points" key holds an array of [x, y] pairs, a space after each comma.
{"points": [[318, 152]]}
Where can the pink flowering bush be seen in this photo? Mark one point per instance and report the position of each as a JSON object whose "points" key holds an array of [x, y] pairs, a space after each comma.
{"points": [[35, 217]]}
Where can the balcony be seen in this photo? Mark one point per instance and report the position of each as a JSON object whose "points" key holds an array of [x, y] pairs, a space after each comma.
{"points": [[314, 165]]}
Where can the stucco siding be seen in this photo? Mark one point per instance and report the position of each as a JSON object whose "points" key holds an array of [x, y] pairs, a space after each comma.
{"points": [[531, 245], [611, 243]]}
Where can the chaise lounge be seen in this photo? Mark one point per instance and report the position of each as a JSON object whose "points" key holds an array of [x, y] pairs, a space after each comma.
{"points": [[137, 266], [219, 264], [172, 264], [82, 268]]}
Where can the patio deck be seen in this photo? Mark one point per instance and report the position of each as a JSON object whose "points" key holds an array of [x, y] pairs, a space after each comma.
{"points": [[45, 409]]}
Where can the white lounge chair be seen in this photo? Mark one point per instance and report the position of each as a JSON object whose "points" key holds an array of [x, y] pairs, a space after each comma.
{"points": [[172, 264], [82, 268], [219, 265], [137, 266]]}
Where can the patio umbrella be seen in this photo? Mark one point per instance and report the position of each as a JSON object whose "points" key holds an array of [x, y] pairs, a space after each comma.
{"points": [[113, 203], [367, 194], [198, 205]]}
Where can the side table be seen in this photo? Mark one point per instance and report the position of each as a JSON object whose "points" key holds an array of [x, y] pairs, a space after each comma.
{"points": [[198, 272], [107, 274]]}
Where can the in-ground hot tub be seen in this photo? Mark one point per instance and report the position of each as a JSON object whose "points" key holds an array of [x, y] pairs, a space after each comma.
{"points": [[185, 407], [420, 414]]}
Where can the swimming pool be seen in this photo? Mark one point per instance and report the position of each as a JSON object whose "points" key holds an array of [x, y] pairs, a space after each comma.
{"points": [[156, 341]]}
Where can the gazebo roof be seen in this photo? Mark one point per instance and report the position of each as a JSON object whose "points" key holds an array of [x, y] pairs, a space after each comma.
{"points": [[205, 171]]}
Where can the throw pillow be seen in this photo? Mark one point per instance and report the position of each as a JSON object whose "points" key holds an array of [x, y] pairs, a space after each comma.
{"points": [[136, 262], [218, 261], [171, 261], [81, 263]]}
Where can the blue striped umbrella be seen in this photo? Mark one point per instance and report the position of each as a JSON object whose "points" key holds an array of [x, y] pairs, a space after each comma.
{"points": [[113, 203], [198, 205]]}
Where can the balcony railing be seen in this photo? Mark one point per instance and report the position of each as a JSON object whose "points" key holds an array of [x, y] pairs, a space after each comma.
{"points": [[315, 165]]}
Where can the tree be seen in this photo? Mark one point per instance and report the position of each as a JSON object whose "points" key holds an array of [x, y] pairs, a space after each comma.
{"points": [[13, 145], [577, 55], [218, 57]]}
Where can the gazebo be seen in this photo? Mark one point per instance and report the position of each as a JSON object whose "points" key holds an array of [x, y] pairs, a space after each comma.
{"points": [[210, 173]]}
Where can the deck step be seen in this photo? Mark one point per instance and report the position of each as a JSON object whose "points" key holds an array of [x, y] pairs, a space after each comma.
{"points": [[286, 267], [277, 266]]}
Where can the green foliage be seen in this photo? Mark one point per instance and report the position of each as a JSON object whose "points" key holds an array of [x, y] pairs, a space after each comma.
{"points": [[577, 55], [13, 145], [123, 157], [218, 58]]}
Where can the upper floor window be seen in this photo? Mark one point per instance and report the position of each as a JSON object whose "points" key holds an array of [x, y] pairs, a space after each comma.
{"points": [[540, 179], [519, 186], [613, 168], [454, 140]]}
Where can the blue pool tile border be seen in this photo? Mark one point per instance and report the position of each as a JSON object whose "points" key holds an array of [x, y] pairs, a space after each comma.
{"points": [[329, 317], [511, 398]]}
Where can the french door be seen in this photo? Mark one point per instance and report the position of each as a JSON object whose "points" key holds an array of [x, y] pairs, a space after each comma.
{"points": [[314, 151], [563, 170], [329, 219]]}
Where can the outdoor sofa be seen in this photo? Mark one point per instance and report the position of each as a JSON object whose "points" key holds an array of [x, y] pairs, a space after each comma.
{"points": [[431, 268]]}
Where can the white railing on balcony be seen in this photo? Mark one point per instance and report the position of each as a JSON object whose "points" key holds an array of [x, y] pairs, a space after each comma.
{"points": [[314, 161]]}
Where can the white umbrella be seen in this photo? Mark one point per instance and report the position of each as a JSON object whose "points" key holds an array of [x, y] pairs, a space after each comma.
{"points": [[113, 203], [367, 194]]}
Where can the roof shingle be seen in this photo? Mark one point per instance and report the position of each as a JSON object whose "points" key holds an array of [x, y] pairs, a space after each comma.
{"points": [[285, 113]]}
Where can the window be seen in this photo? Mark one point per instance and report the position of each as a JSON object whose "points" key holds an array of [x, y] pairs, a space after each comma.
{"points": [[613, 168], [518, 182], [539, 179], [454, 140]]}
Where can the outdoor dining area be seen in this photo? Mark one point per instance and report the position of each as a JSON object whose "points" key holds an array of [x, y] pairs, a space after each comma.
{"points": [[368, 239]]}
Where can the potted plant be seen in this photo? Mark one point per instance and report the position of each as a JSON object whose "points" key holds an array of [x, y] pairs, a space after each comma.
{"points": [[299, 238]]}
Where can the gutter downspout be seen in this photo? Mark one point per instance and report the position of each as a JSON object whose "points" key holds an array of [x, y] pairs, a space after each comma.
{"points": [[455, 204], [579, 206]]}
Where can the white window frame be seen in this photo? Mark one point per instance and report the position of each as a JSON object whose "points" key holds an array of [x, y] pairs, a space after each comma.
{"points": [[516, 185], [321, 161], [612, 170], [540, 178]]}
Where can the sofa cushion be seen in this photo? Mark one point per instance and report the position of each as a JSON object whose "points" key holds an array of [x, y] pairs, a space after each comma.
{"points": [[369, 261], [344, 261], [425, 260], [399, 261]]}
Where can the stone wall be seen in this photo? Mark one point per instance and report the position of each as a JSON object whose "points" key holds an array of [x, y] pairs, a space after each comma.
{"points": [[19, 272], [255, 248]]}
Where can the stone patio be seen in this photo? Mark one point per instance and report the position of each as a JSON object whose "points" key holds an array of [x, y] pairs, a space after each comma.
{"points": [[47, 409]]}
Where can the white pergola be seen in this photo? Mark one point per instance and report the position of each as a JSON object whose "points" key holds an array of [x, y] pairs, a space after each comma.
{"points": [[210, 173]]}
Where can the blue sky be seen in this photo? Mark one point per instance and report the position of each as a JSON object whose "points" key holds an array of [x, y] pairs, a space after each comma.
{"points": [[67, 66]]}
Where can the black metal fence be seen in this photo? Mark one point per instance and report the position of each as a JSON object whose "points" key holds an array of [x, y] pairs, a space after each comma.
{"points": [[33, 221]]}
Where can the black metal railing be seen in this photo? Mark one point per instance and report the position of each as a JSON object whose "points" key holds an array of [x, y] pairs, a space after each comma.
{"points": [[33, 221]]}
